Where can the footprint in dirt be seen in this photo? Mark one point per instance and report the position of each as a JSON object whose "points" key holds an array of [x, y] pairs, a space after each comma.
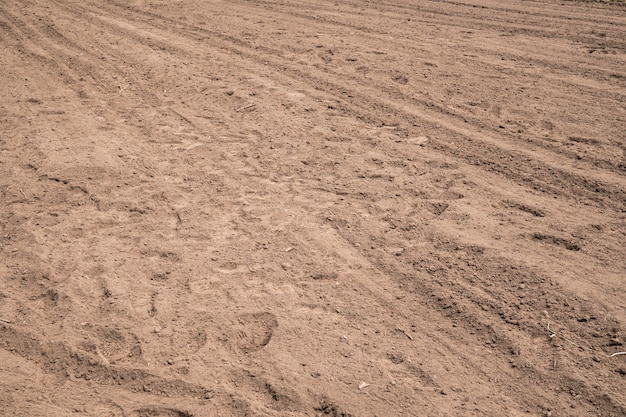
{"points": [[106, 409], [113, 345], [251, 331]]}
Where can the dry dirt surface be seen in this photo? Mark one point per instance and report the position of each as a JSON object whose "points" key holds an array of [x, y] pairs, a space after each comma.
{"points": [[312, 208]]}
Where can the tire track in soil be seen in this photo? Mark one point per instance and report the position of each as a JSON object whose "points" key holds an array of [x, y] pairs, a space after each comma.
{"points": [[387, 266], [566, 69], [465, 306], [75, 63], [58, 359], [27, 41], [470, 307], [396, 94], [537, 174], [371, 31]]}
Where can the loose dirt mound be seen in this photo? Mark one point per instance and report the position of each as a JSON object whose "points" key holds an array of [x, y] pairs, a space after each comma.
{"points": [[323, 208]]}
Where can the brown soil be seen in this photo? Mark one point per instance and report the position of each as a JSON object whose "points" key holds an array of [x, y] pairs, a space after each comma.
{"points": [[312, 208]]}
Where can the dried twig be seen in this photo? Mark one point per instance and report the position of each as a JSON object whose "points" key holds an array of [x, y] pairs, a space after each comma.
{"points": [[181, 116], [23, 193], [405, 333], [555, 334], [247, 106]]}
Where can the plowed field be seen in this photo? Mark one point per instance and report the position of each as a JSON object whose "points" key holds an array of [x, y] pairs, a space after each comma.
{"points": [[312, 208]]}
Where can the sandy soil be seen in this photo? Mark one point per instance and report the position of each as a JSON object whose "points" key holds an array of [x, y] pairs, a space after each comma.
{"points": [[312, 208]]}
